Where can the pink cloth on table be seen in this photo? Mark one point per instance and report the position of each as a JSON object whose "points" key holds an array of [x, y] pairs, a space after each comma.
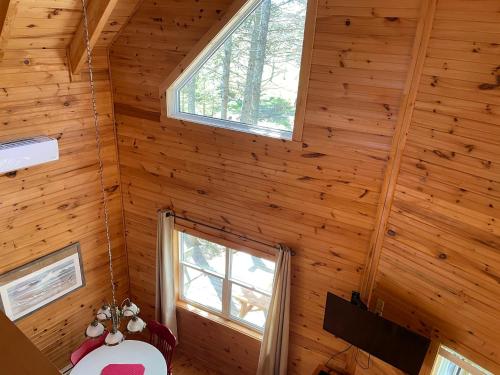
{"points": [[123, 369]]}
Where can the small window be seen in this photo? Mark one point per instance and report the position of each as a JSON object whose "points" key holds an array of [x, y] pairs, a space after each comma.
{"points": [[449, 362], [228, 282], [247, 78]]}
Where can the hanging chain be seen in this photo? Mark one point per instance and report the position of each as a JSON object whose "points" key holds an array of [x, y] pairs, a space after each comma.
{"points": [[99, 153]]}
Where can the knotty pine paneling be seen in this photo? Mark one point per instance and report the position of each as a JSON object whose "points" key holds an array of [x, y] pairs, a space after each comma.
{"points": [[241, 351], [52, 24], [47, 207], [319, 196], [440, 268]]}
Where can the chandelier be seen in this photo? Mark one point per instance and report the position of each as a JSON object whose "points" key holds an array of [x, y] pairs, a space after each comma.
{"points": [[114, 314], [108, 313]]}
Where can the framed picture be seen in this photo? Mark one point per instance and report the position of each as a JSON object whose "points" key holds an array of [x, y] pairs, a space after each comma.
{"points": [[36, 284]]}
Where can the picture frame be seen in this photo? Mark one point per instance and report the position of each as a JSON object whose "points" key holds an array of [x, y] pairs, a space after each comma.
{"points": [[34, 285]]}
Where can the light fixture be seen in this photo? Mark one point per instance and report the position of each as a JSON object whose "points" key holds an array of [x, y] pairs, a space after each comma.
{"points": [[129, 308], [114, 314], [108, 312], [104, 312], [114, 338], [94, 330], [135, 325]]}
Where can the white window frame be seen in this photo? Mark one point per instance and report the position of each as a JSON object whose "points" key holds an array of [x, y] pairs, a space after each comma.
{"points": [[173, 92], [459, 360], [227, 284]]}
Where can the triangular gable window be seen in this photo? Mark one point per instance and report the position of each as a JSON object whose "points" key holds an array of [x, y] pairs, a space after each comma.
{"points": [[247, 77]]}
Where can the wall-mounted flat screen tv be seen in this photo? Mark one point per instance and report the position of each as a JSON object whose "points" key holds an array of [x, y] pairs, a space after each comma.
{"points": [[380, 337]]}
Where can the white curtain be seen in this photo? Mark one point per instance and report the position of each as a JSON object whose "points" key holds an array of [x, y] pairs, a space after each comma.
{"points": [[274, 348], [165, 278]]}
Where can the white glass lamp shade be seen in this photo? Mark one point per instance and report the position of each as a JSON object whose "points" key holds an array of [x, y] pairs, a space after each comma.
{"points": [[104, 313], [95, 329], [130, 309], [114, 338], [136, 325]]}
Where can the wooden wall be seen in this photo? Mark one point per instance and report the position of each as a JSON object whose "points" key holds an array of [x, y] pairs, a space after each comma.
{"points": [[440, 267], [319, 196], [47, 207]]}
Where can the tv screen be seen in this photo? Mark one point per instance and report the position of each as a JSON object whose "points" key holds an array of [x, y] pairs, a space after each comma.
{"points": [[380, 337]]}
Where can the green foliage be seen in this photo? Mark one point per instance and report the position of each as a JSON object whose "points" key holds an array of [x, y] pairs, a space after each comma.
{"points": [[277, 110], [262, 71]]}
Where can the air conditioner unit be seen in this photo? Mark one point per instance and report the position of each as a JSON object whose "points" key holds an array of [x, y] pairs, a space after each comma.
{"points": [[23, 153]]}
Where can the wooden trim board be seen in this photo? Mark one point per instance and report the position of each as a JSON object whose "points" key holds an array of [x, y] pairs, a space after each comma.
{"points": [[305, 70]]}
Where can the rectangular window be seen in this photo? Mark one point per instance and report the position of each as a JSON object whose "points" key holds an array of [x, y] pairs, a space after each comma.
{"points": [[449, 362], [229, 282]]}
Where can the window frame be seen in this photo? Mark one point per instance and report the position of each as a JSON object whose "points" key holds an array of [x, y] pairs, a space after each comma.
{"points": [[227, 281], [207, 46], [458, 360]]}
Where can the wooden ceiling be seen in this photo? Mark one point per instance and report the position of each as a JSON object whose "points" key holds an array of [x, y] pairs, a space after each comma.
{"points": [[53, 24]]}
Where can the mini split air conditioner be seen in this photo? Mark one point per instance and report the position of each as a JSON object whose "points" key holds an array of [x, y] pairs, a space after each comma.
{"points": [[27, 152]]}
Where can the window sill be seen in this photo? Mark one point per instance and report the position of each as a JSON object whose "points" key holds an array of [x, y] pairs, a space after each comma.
{"points": [[232, 125], [219, 320]]}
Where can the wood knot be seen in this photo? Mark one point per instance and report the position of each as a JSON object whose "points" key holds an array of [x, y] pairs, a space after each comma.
{"points": [[313, 155], [111, 189]]}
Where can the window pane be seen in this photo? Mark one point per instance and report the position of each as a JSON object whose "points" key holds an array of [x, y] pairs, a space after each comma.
{"points": [[202, 288], [252, 78], [204, 254], [455, 364], [446, 367], [249, 306], [252, 270]]}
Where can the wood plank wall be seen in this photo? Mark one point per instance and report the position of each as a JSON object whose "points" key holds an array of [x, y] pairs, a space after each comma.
{"points": [[319, 196], [440, 268], [47, 207]]}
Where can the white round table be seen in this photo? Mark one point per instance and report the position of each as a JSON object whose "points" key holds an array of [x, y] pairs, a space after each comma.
{"points": [[129, 351]]}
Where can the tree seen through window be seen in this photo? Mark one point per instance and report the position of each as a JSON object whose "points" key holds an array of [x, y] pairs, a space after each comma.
{"points": [[252, 78]]}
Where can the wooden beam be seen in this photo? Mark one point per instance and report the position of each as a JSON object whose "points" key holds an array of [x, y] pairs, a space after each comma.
{"points": [[8, 10], [98, 13], [424, 28], [422, 36]]}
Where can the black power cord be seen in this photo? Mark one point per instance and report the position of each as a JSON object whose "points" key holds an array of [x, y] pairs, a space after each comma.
{"points": [[336, 354], [359, 364]]}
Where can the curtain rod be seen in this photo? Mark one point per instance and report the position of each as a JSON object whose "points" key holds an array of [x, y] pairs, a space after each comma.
{"points": [[276, 247]]}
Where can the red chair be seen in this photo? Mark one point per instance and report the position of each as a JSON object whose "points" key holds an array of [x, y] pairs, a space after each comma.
{"points": [[164, 340], [86, 347]]}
